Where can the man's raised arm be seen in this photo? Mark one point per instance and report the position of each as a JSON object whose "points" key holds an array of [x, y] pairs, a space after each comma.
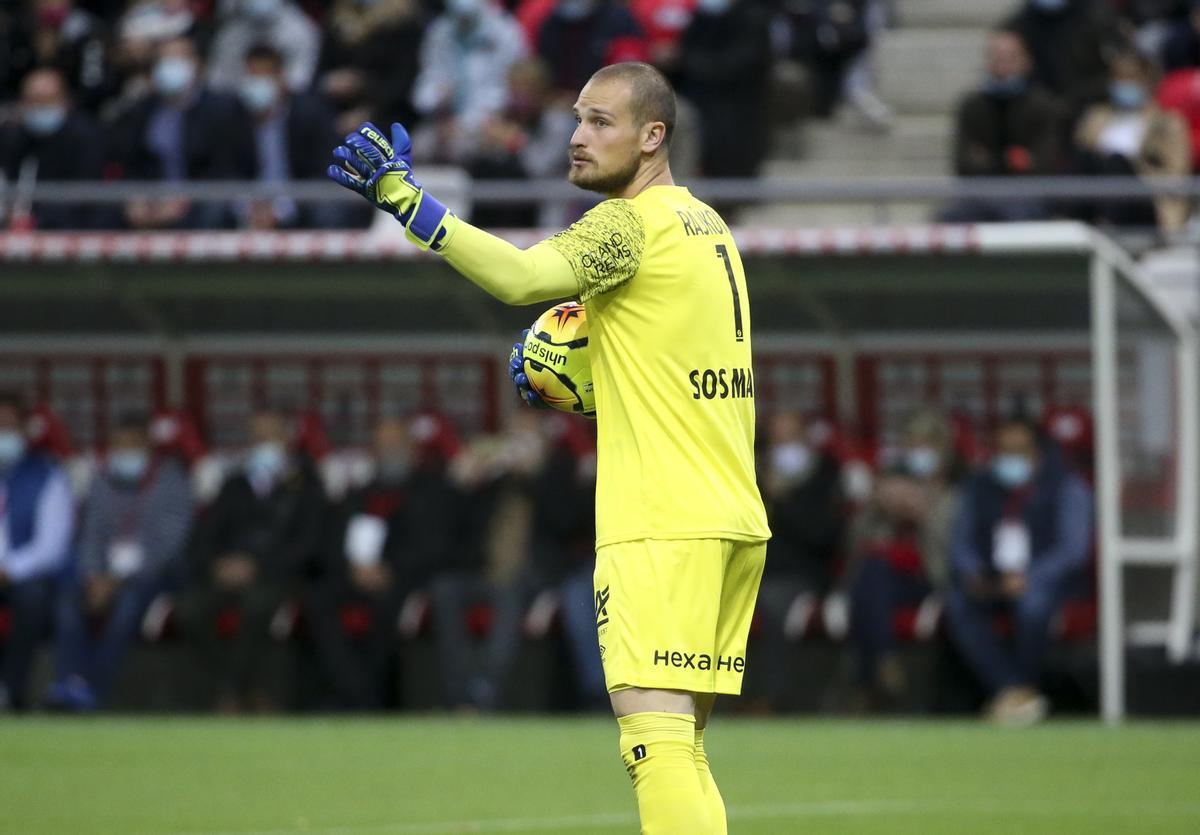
{"points": [[382, 173]]}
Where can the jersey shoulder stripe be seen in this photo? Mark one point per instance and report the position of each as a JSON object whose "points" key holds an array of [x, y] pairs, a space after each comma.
{"points": [[604, 247]]}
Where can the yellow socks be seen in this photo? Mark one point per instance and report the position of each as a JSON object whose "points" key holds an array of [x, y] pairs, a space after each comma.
{"points": [[712, 795], [659, 750]]}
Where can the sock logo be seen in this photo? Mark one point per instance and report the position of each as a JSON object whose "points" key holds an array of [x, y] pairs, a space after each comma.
{"points": [[639, 752], [602, 606]]}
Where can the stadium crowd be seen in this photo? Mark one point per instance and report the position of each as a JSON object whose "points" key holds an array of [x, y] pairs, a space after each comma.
{"points": [[182, 90], [486, 542]]}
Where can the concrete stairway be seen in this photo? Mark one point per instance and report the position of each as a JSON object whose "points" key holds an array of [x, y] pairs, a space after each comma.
{"points": [[931, 56]]}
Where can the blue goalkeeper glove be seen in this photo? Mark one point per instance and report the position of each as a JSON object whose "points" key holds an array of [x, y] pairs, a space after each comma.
{"points": [[381, 172], [516, 373]]}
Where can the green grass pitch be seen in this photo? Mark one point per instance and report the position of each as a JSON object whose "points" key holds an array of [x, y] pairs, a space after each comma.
{"points": [[426, 776]]}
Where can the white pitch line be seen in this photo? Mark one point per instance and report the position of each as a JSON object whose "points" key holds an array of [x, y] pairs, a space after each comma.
{"points": [[604, 820]]}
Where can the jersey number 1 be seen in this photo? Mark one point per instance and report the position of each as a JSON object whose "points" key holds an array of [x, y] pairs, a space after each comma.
{"points": [[723, 254]]}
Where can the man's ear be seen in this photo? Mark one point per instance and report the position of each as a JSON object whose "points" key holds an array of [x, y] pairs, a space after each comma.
{"points": [[654, 134]]}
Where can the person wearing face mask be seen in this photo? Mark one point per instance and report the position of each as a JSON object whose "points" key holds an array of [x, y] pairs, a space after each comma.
{"points": [[248, 554], [56, 33], [541, 537], [182, 131], [899, 552], [133, 529], [725, 59], [37, 519], [290, 132], [280, 23], [1068, 41], [465, 58], [59, 142], [807, 512], [1131, 135], [385, 538], [370, 57], [581, 36], [521, 142], [1020, 545], [1008, 126]]}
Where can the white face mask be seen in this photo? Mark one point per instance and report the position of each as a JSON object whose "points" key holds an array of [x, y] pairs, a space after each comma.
{"points": [[173, 76], [259, 93], [922, 461], [261, 9], [464, 8], [266, 460], [12, 447], [791, 459], [128, 465]]}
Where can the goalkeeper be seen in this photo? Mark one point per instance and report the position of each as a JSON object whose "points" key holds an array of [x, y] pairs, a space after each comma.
{"points": [[680, 527]]}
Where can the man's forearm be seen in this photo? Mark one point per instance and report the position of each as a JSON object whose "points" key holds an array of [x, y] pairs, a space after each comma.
{"points": [[514, 276]]}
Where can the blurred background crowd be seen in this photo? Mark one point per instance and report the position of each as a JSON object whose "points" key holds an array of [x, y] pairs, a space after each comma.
{"points": [[258, 90], [448, 557]]}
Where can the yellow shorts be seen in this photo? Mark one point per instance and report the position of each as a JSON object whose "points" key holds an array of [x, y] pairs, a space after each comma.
{"points": [[675, 614]]}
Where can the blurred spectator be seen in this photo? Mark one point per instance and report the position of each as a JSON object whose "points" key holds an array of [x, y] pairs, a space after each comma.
{"points": [[53, 141], [1180, 93], [1007, 127], [249, 552], [1132, 136], [140, 31], [724, 64], [1181, 47], [581, 36], [54, 33], [1069, 41], [664, 22], [807, 511], [465, 58], [373, 559], [833, 39], [37, 517], [293, 134], [279, 23], [1150, 22], [527, 139], [550, 521], [899, 550], [133, 529], [1020, 547], [369, 60], [182, 132]]}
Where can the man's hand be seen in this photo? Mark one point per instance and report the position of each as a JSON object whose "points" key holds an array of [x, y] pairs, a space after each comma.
{"points": [[381, 172], [98, 592], [235, 571], [516, 373]]}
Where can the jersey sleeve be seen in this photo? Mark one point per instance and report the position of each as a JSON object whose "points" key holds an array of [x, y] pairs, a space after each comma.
{"points": [[604, 247]]}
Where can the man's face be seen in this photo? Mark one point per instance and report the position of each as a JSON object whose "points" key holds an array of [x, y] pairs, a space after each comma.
{"points": [[786, 428], [391, 439], [1017, 440], [10, 419], [43, 88], [129, 439], [262, 86], [267, 428], [606, 148], [1007, 58]]}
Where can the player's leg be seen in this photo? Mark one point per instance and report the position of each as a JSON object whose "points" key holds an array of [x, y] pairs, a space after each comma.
{"points": [[658, 733], [712, 795], [656, 642], [742, 575]]}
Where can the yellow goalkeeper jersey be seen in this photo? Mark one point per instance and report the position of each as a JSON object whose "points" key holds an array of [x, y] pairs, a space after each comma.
{"points": [[669, 340]]}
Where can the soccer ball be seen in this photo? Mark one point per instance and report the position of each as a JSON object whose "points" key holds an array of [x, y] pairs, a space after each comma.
{"points": [[556, 360]]}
